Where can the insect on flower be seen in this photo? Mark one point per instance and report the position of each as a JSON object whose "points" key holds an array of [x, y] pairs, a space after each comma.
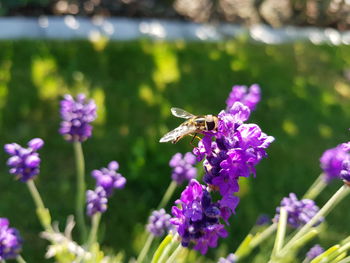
{"points": [[194, 124]]}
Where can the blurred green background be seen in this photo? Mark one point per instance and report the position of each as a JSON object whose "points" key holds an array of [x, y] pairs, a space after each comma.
{"points": [[305, 106]]}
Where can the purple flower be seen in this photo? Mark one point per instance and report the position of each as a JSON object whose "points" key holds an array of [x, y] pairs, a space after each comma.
{"points": [[262, 220], [345, 172], [183, 169], [250, 97], [299, 211], [24, 163], [159, 222], [314, 252], [332, 159], [76, 116], [231, 258], [198, 218], [108, 178], [96, 201], [10, 241]]}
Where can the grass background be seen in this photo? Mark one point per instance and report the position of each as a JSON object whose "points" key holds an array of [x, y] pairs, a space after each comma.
{"points": [[305, 106]]}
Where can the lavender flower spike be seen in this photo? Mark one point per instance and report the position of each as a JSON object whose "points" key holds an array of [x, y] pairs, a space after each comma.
{"points": [[96, 201], [300, 212], [108, 178], [315, 251], [24, 163], [250, 97], [183, 169], [10, 241], [76, 116], [332, 159], [159, 222], [198, 218]]}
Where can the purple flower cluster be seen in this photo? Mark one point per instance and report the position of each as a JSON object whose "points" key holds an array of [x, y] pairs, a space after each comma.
{"points": [[249, 97], [229, 153], [300, 212], [231, 258], [107, 179], [183, 169], [237, 149], [332, 160], [10, 241], [315, 251], [96, 201], [159, 222], [24, 162], [76, 116], [197, 218]]}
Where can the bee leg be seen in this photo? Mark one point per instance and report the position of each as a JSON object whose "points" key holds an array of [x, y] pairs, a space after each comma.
{"points": [[193, 137]]}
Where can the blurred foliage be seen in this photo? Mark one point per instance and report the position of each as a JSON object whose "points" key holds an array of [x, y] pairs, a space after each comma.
{"points": [[305, 105], [330, 13]]}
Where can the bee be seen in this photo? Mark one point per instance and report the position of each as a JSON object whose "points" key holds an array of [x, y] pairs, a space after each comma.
{"points": [[194, 124]]}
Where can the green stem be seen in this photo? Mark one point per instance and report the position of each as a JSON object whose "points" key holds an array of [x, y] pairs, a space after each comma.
{"points": [[81, 188], [168, 194], [174, 255], [145, 249], [161, 247], [42, 212], [20, 259], [332, 202], [263, 235], [345, 260], [281, 232], [167, 249], [316, 188], [251, 242], [94, 229]]}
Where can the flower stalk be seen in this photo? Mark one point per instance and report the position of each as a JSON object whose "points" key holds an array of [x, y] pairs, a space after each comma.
{"points": [[316, 188], [175, 254], [42, 212], [168, 194], [20, 259], [81, 187], [94, 229], [281, 232], [145, 248]]}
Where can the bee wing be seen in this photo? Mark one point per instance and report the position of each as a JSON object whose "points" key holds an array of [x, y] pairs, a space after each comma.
{"points": [[180, 113], [177, 132]]}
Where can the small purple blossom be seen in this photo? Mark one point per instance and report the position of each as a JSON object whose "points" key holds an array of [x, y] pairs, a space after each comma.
{"points": [[332, 159], [159, 222], [315, 251], [300, 212], [231, 258], [345, 172], [263, 219], [96, 201], [10, 241], [198, 218], [249, 97], [24, 163], [108, 178], [76, 115], [183, 169]]}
